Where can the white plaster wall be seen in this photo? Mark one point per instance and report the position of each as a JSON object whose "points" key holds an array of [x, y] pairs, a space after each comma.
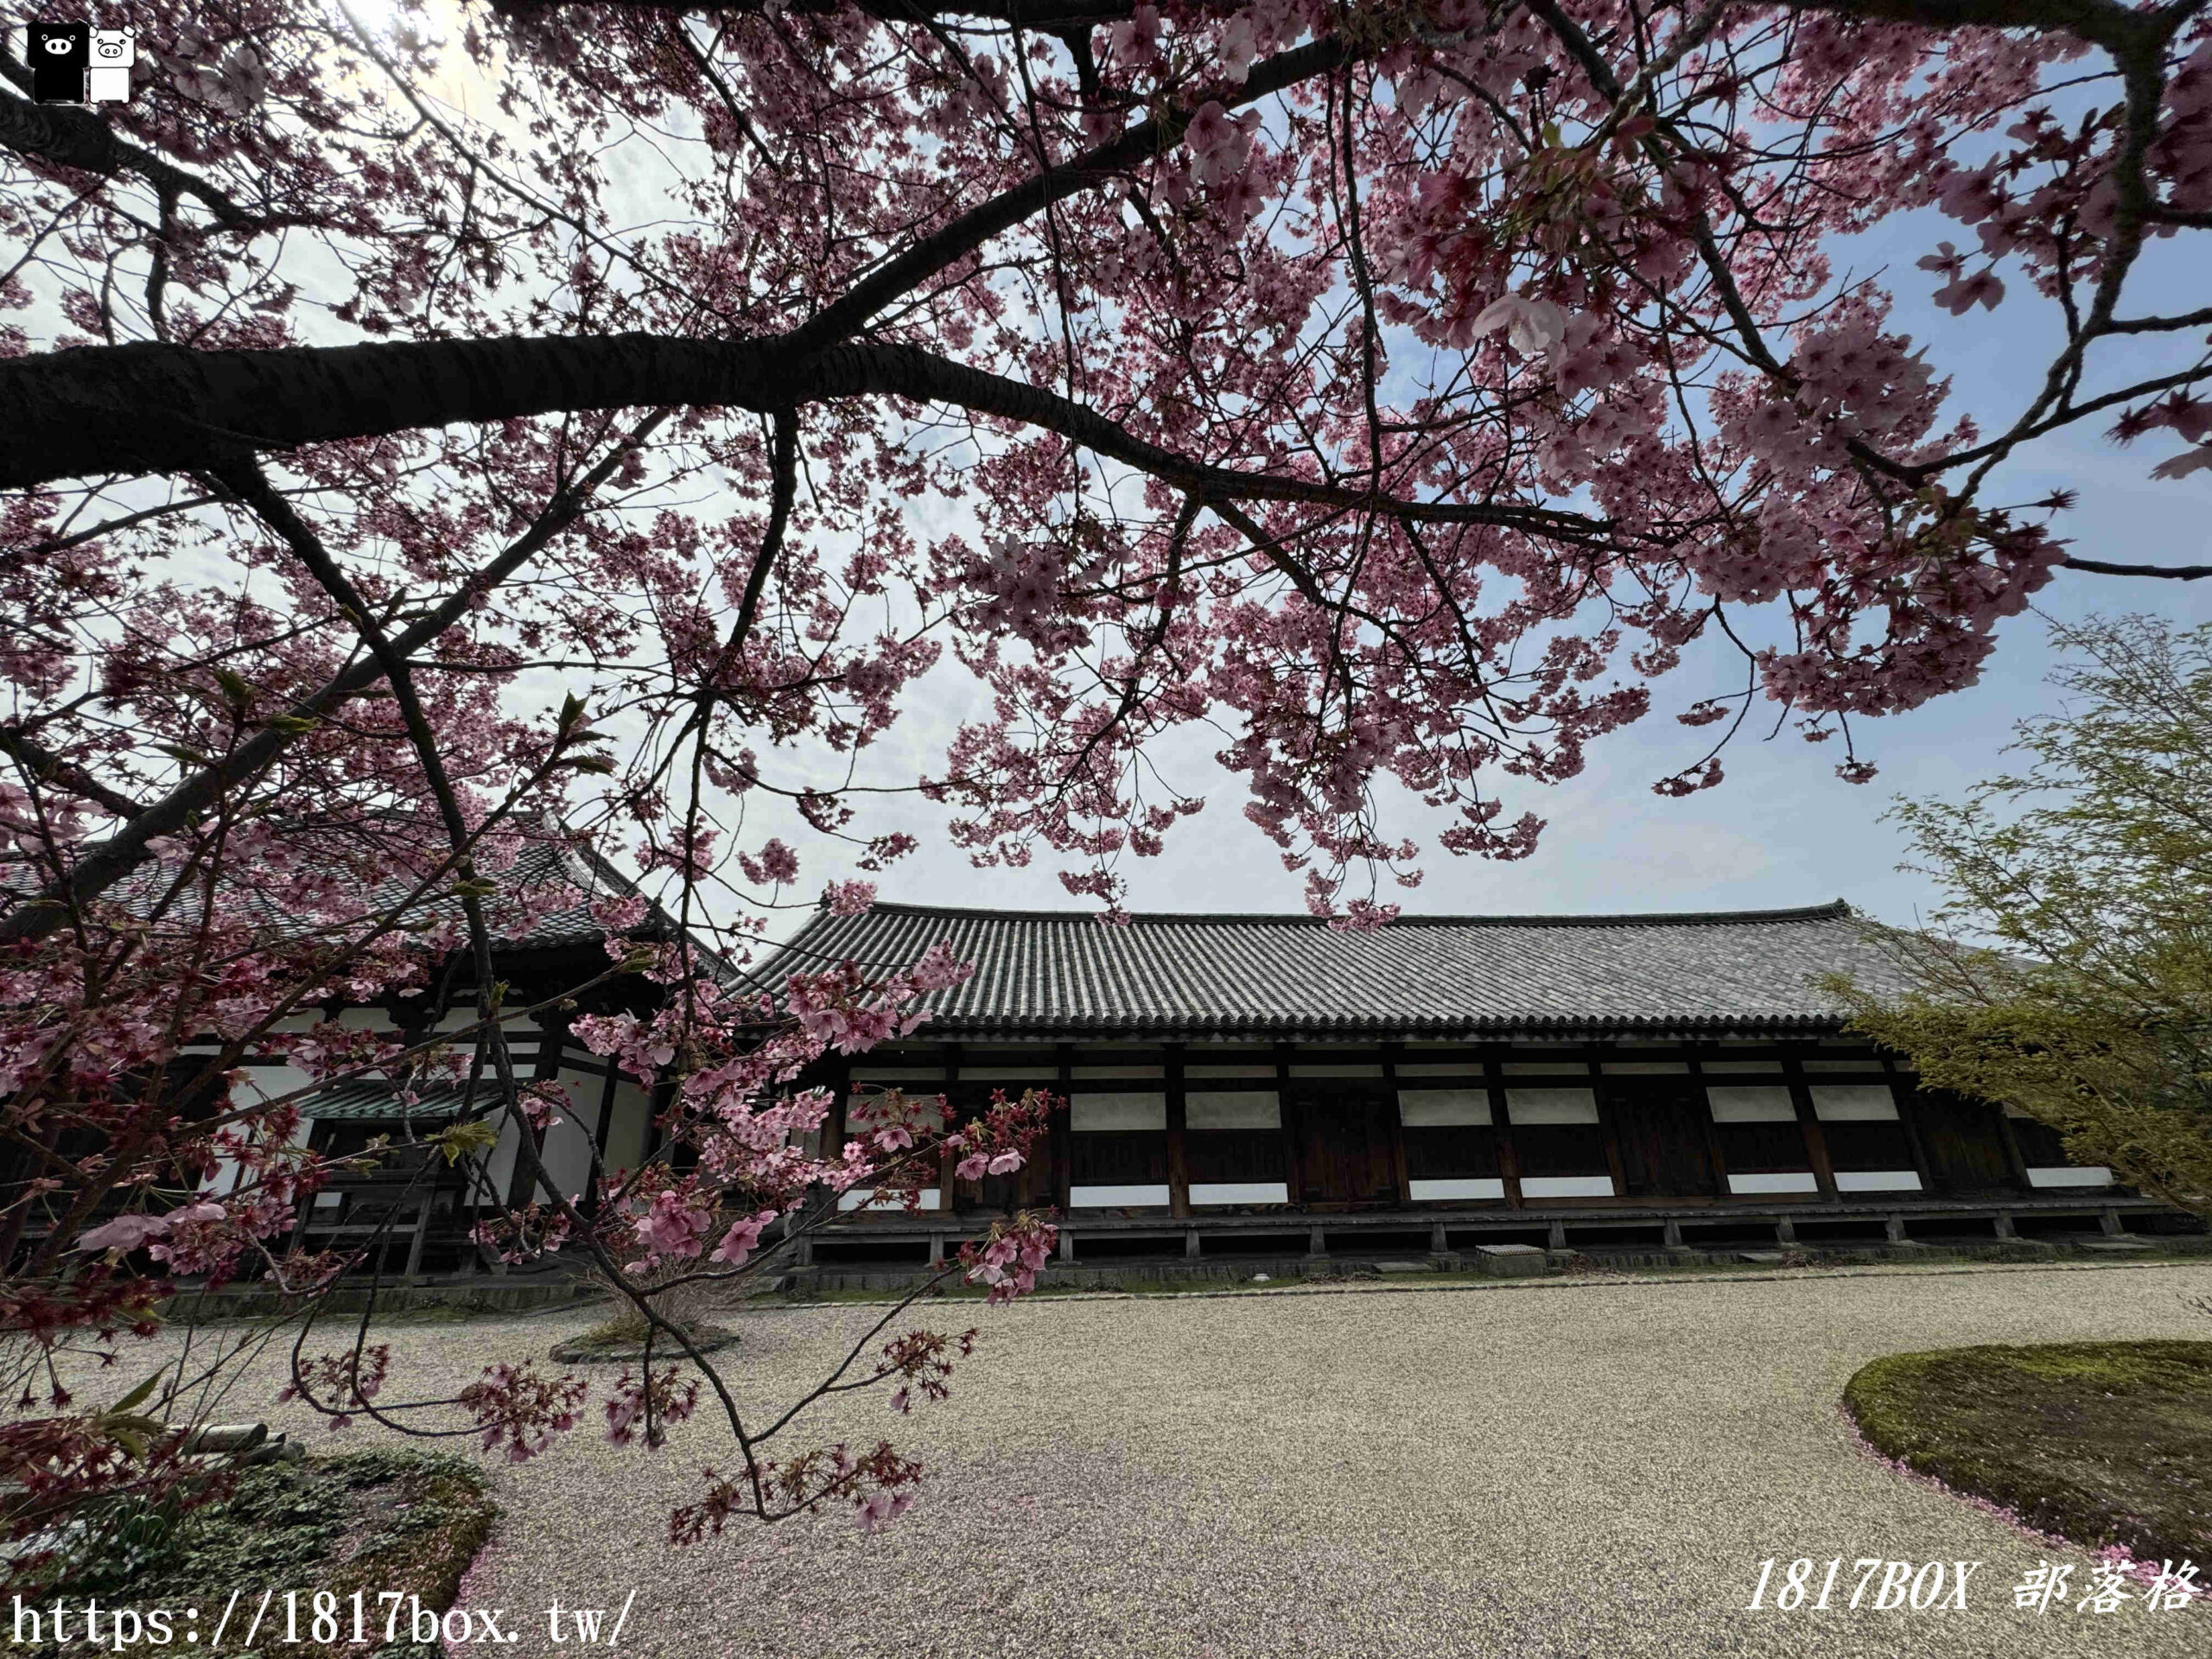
{"points": [[1752, 1105], [1854, 1102], [1876, 1181], [1104, 1197], [1431, 1108], [1551, 1105], [1254, 1108], [1786, 1181], [1098, 1113], [2069, 1175], [1470, 1187], [864, 1197], [1204, 1192], [1566, 1187], [262, 1082]]}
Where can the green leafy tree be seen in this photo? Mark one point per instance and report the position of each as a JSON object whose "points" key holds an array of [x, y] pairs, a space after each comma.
{"points": [[2069, 970]]}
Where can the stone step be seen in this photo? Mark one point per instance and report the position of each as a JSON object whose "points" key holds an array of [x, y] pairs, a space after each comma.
{"points": [[1510, 1260]]}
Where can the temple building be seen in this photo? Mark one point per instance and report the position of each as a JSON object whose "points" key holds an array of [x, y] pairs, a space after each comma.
{"points": [[1269, 1085], [1236, 1084]]}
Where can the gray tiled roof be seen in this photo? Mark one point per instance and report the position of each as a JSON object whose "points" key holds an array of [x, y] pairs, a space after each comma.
{"points": [[376, 1101], [547, 859], [1066, 973]]}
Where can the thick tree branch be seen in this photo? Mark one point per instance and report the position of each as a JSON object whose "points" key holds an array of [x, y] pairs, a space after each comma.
{"points": [[65, 135], [2178, 572], [2105, 22], [93, 410]]}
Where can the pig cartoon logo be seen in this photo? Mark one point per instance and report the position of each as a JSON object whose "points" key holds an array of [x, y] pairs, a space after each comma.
{"points": [[114, 50]]}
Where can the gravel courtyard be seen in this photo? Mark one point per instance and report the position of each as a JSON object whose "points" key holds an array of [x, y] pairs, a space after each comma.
{"points": [[1540, 1469]]}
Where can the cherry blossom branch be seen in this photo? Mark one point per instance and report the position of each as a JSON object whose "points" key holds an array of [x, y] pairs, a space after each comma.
{"points": [[102, 865], [41, 765]]}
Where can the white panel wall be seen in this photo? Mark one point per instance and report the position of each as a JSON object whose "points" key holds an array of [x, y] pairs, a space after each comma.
{"points": [[1566, 1187], [1254, 1108], [1107, 1198], [568, 1144], [1433, 1109], [864, 1197], [1092, 1113], [2070, 1175], [1854, 1102], [626, 1136], [1239, 1192], [1472, 1187], [1787, 1181], [1732, 1105], [1876, 1181], [1551, 1105]]}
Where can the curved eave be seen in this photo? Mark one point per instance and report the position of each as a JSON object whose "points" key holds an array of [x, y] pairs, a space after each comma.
{"points": [[1179, 1027]]}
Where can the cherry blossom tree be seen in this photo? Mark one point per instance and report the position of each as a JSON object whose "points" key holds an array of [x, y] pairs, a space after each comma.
{"points": [[426, 422]]}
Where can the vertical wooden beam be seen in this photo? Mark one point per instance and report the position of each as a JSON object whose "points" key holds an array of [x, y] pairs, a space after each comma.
{"points": [[1292, 1115], [1396, 1125], [2016, 1162], [1178, 1168], [552, 1042], [949, 1201], [611, 1082], [1609, 1129], [1808, 1124], [1906, 1116], [833, 1127], [1713, 1152], [1062, 1142], [663, 1090], [1501, 1123]]}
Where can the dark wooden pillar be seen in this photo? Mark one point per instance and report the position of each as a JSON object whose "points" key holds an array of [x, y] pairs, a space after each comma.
{"points": [[1908, 1117], [1501, 1123], [1609, 1128], [600, 1130], [2015, 1161], [1817, 1140], [1713, 1152], [1178, 1168], [948, 1200], [552, 1042], [833, 1127], [1293, 1128], [1394, 1124], [1062, 1142]]}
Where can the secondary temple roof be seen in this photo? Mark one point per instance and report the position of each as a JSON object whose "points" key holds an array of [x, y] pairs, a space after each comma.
{"points": [[1065, 973]]}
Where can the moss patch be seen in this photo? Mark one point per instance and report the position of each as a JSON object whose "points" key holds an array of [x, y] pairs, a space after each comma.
{"points": [[381, 1518], [2098, 1442]]}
